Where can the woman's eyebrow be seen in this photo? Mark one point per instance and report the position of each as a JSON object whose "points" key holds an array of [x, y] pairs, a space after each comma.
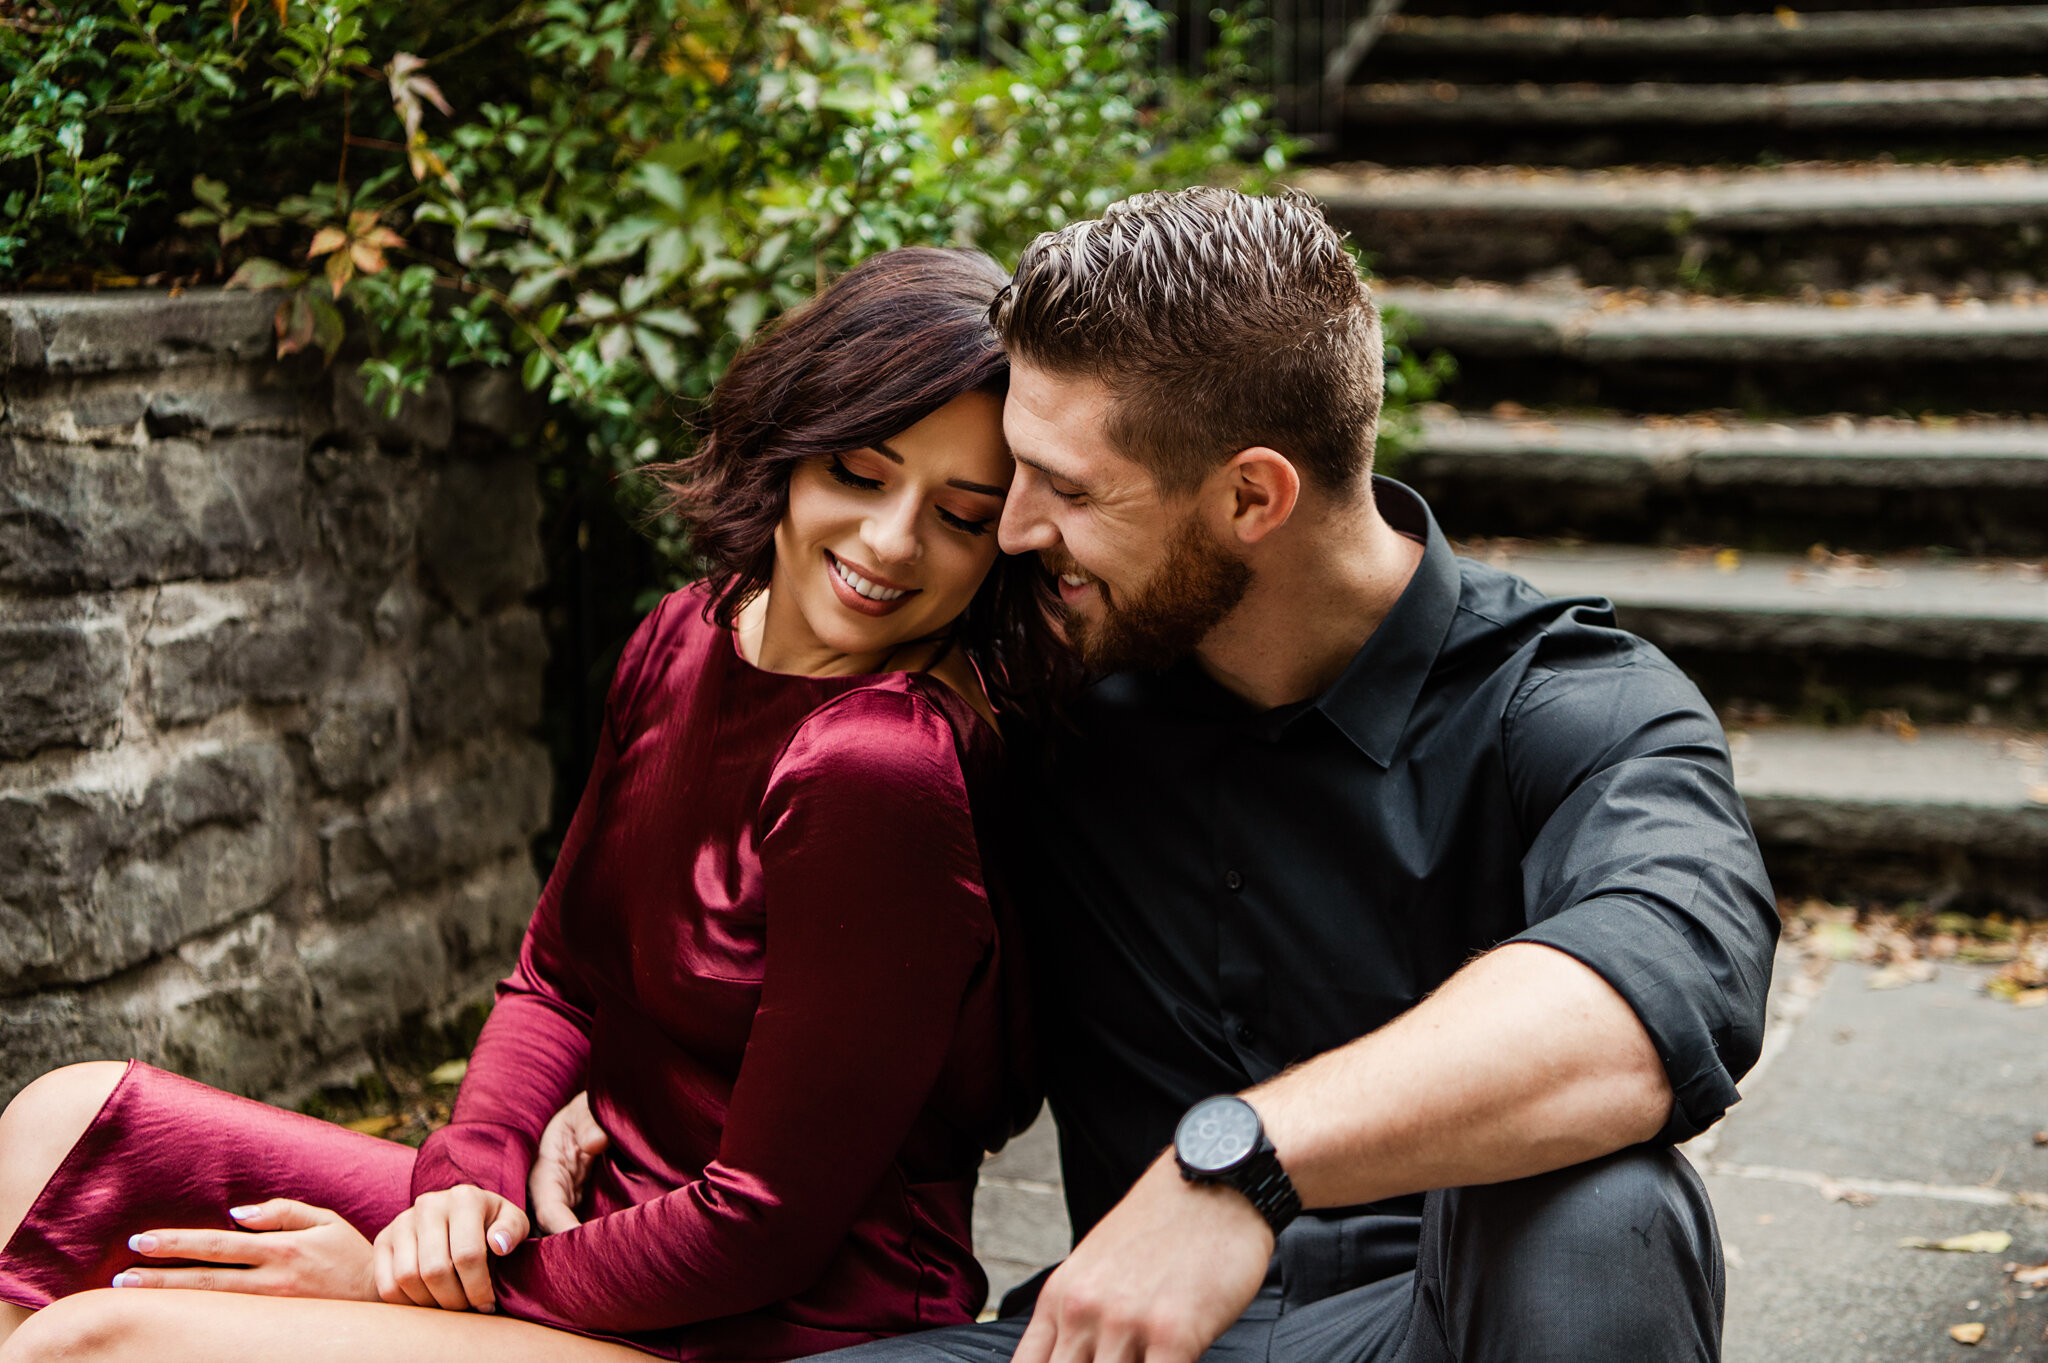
{"points": [[882, 448]]}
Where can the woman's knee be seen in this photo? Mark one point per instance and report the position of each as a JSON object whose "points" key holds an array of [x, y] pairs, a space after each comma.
{"points": [[65, 1099], [40, 1126], [101, 1324]]}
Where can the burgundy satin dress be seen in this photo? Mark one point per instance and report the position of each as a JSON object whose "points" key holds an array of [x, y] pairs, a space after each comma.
{"points": [[769, 951]]}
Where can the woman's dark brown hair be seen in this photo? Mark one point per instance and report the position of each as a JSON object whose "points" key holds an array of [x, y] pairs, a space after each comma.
{"points": [[894, 339]]}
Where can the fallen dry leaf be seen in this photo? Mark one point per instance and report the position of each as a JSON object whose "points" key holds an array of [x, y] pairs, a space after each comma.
{"points": [[1967, 1334], [375, 1126], [1976, 1242], [2030, 998], [450, 1072], [2036, 1276], [1901, 973], [1854, 1197], [1728, 560]]}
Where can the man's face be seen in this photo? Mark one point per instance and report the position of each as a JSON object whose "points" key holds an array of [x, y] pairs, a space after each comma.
{"points": [[1142, 576]]}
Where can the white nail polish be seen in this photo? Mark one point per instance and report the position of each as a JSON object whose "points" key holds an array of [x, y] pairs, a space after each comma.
{"points": [[500, 1242], [241, 1213], [126, 1279]]}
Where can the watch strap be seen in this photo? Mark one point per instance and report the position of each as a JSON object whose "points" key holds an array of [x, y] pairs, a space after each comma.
{"points": [[1266, 1185]]}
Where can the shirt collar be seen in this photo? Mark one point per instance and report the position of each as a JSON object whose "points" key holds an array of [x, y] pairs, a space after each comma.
{"points": [[1370, 703]]}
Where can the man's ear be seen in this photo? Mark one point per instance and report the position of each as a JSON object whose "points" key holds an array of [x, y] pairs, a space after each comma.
{"points": [[1263, 487]]}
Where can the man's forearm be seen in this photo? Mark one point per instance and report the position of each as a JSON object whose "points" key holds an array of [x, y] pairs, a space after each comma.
{"points": [[1523, 1062]]}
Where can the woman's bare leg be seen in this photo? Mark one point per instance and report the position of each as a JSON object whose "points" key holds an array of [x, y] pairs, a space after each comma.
{"points": [[37, 1131], [156, 1325]]}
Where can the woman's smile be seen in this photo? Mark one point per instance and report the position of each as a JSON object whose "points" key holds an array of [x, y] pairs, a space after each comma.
{"points": [[862, 589]]}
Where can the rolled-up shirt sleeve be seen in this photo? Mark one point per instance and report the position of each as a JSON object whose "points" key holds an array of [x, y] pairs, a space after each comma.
{"points": [[1642, 865]]}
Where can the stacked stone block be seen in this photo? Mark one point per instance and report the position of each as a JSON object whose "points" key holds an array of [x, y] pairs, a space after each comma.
{"points": [[267, 687]]}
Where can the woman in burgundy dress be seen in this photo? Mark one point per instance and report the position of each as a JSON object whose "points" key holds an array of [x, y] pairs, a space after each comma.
{"points": [[770, 953]]}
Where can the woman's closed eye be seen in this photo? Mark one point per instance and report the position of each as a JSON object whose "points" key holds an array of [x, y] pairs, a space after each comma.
{"points": [[961, 523], [965, 525], [843, 474]]}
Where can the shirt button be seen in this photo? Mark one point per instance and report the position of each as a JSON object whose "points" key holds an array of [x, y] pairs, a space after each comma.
{"points": [[1233, 880], [1245, 1034]]}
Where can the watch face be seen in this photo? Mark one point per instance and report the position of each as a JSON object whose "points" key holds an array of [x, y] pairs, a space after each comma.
{"points": [[1217, 1134]]}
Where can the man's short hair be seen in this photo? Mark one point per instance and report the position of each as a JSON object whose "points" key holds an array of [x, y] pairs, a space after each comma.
{"points": [[1217, 321]]}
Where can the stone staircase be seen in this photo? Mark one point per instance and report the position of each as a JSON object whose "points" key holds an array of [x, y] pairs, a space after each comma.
{"points": [[1751, 314]]}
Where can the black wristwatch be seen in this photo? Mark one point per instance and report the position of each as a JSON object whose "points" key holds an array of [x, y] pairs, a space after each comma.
{"points": [[1221, 1140]]}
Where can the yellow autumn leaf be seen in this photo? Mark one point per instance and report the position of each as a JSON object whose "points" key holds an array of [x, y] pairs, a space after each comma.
{"points": [[1976, 1242], [2031, 998], [1967, 1334], [374, 1126], [1728, 560], [325, 240], [450, 1072]]}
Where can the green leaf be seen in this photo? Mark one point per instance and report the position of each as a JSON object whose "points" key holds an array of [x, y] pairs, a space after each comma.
{"points": [[663, 184], [536, 369], [668, 253], [259, 273], [212, 193], [745, 312], [672, 321], [660, 354], [620, 240], [328, 328]]}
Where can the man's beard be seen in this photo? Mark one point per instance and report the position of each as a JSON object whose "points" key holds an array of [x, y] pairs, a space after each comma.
{"points": [[1197, 584]]}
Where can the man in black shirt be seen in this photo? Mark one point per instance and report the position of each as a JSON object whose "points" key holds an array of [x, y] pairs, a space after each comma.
{"points": [[1447, 881]]}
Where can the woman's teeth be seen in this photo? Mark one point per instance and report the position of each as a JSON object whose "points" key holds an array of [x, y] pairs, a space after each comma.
{"points": [[1075, 580], [865, 587]]}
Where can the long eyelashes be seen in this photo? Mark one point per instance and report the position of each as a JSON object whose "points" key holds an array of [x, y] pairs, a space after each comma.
{"points": [[842, 474]]}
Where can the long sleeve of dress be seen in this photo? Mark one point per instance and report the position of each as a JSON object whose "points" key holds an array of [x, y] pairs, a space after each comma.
{"points": [[877, 920], [532, 1054]]}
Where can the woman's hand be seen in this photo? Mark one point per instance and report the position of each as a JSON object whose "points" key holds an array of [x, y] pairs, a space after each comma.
{"points": [[572, 1140], [434, 1253], [284, 1249]]}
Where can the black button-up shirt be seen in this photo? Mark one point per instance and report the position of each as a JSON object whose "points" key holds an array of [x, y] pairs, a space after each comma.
{"points": [[1217, 892]]}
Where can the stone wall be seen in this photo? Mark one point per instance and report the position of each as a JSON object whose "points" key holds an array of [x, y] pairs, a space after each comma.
{"points": [[267, 682]]}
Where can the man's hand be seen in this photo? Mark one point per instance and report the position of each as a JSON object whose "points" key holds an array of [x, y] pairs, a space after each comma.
{"points": [[434, 1252], [572, 1140], [1158, 1280], [296, 1250]]}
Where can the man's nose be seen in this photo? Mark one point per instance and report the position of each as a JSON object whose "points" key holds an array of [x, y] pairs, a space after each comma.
{"points": [[1025, 528]]}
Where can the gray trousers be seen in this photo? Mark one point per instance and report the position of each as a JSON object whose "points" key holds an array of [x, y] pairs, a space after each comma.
{"points": [[1612, 1261]]}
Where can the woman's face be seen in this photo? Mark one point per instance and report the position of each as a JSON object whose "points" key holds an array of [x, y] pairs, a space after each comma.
{"points": [[889, 543]]}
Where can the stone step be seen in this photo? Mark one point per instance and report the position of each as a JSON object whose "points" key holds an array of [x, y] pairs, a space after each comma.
{"points": [[1425, 122], [1954, 815], [1823, 637], [1871, 484], [1968, 104], [1636, 351], [1916, 229], [1972, 40], [1727, 600]]}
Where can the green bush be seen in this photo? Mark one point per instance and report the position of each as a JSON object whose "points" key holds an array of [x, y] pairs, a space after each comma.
{"points": [[609, 194]]}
